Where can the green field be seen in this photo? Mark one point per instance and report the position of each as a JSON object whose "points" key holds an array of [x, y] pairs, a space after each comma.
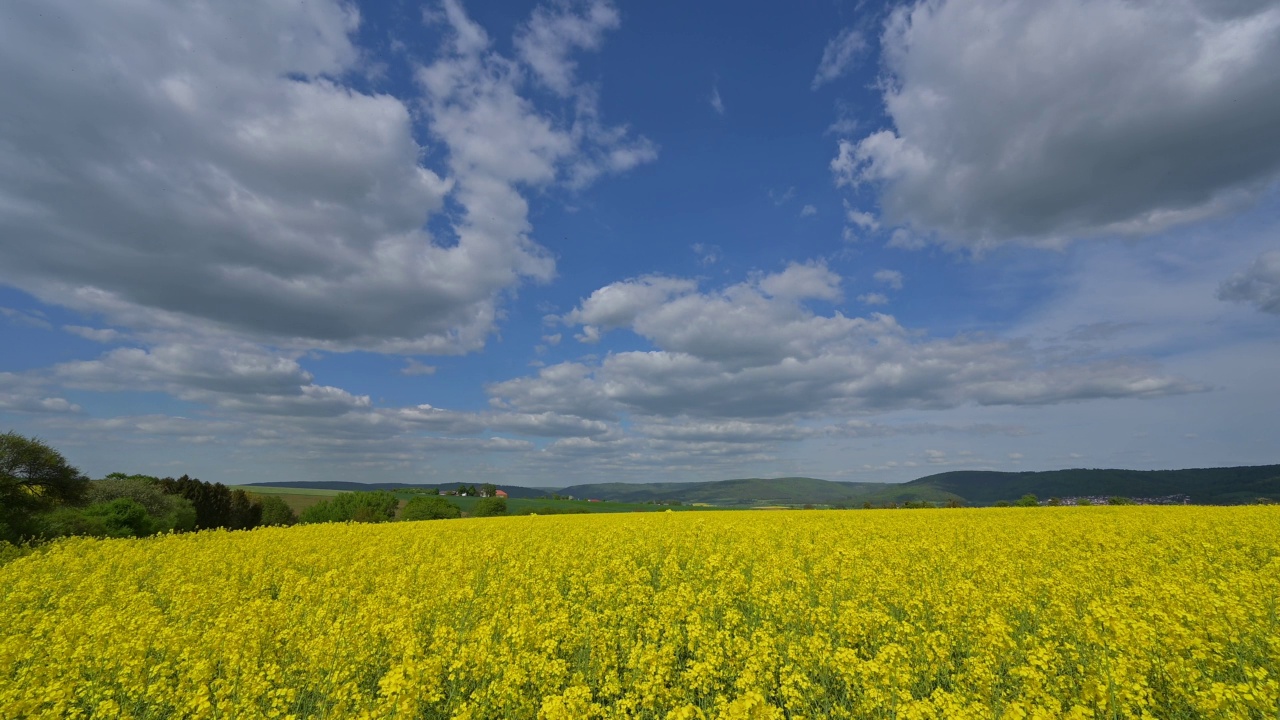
{"points": [[302, 498], [522, 506], [297, 498]]}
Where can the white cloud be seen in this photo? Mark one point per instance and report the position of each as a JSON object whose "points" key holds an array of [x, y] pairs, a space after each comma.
{"points": [[892, 278], [801, 281], [808, 211], [547, 42], [1040, 122], [19, 393], [747, 353], [102, 335], [232, 183], [717, 103], [413, 367], [838, 56], [243, 379], [1258, 284], [618, 305], [904, 239], [707, 254], [24, 317], [873, 299]]}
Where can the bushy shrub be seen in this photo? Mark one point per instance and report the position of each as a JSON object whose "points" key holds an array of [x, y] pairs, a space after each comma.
{"points": [[489, 507], [167, 512], [377, 506], [122, 517], [429, 507]]}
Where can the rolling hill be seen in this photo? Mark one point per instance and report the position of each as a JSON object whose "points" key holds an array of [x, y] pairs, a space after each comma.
{"points": [[1212, 486]]}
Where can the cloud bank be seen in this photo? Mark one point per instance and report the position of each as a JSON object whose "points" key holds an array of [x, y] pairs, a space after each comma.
{"points": [[1046, 121]]}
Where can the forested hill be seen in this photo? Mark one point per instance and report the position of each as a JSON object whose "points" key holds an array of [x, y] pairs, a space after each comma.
{"points": [[745, 491], [972, 487], [1218, 486]]}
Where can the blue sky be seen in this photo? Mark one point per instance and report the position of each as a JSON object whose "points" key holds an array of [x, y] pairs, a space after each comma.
{"points": [[563, 242]]}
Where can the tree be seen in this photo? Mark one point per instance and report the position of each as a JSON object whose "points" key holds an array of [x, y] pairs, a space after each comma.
{"points": [[488, 490], [1055, 501], [488, 507], [462, 490], [167, 512], [1028, 500], [1084, 501], [953, 503], [34, 478], [245, 513], [429, 507], [123, 517], [275, 511], [375, 506], [1118, 500], [212, 500]]}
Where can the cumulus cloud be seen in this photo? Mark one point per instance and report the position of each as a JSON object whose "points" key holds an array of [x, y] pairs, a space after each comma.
{"points": [[1258, 284], [808, 211], [838, 56], [1040, 122], [231, 180], [237, 379], [751, 353], [873, 299]]}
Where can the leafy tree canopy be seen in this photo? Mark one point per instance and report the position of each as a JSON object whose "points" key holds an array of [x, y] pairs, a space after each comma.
{"points": [[490, 506], [34, 478], [429, 507], [377, 506]]}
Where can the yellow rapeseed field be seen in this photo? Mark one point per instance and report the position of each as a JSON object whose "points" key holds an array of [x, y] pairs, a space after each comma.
{"points": [[999, 613]]}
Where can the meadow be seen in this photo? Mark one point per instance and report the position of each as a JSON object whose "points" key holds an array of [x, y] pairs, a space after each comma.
{"points": [[302, 498], [1103, 612]]}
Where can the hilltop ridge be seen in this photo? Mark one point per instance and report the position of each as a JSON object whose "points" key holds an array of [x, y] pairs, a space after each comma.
{"points": [[1210, 486]]}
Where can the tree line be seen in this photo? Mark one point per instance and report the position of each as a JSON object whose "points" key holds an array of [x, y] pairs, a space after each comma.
{"points": [[43, 497]]}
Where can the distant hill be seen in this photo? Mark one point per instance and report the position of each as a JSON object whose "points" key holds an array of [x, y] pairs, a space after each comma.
{"points": [[1210, 486], [514, 491], [1213, 486], [745, 491]]}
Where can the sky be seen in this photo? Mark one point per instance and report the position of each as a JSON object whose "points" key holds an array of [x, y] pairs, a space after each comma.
{"points": [[580, 241]]}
